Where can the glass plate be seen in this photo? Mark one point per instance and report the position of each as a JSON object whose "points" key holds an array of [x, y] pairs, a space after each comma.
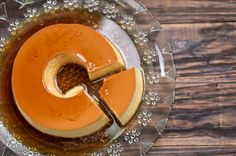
{"points": [[140, 38]]}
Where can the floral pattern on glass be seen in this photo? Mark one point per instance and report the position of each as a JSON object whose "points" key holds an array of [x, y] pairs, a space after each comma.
{"points": [[127, 22], [30, 13], [50, 6], [151, 98], [150, 57], [114, 149], [144, 118], [152, 77], [132, 136], [71, 4], [13, 26], [96, 154], [110, 10], [140, 38], [2, 43], [91, 5]]}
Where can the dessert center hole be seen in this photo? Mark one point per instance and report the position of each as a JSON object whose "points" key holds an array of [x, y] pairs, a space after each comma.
{"points": [[65, 77], [70, 76]]}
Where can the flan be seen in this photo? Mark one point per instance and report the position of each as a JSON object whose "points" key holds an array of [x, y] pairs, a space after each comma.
{"points": [[122, 93], [76, 113]]}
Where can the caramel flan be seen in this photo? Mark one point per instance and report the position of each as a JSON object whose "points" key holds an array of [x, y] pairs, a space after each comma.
{"points": [[74, 113], [37, 97]]}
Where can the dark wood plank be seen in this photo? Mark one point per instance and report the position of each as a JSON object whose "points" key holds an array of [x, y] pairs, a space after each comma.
{"points": [[192, 11], [204, 50], [195, 151], [205, 106]]}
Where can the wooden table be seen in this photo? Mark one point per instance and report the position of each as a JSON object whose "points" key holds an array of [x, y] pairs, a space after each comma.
{"points": [[203, 37]]}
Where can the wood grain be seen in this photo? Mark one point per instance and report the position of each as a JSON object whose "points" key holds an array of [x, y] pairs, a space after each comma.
{"points": [[197, 151], [203, 36], [192, 11]]}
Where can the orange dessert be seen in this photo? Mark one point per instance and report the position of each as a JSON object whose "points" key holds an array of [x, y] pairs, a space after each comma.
{"points": [[75, 113], [37, 97], [122, 92]]}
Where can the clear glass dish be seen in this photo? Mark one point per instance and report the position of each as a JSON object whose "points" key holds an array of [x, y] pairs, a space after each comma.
{"points": [[140, 39]]}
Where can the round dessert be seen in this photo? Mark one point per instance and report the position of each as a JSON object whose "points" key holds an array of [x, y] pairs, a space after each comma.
{"points": [[75, 113]]}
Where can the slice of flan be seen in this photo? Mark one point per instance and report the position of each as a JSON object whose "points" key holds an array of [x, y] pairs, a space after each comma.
{"points": [[122, 93]]}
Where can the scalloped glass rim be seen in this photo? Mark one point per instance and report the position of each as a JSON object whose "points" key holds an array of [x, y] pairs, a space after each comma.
{"points": [[155, 53]]}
